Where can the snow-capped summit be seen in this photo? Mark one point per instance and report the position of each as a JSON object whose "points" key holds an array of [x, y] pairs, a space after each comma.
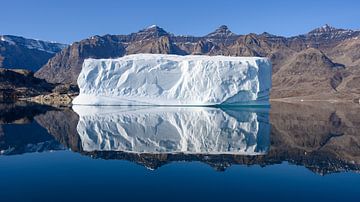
{"points": [[152, 26], [152, 31], [329, 32], [326, 28], [7, 39]]}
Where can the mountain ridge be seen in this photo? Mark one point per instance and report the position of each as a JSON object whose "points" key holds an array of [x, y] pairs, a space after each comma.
{"points": [[338, 46], [21, 52]]}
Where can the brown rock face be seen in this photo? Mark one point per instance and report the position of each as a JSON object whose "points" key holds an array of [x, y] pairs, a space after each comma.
{"points": [[19, 83], [324, 60], [65, 66], [308, 72]]}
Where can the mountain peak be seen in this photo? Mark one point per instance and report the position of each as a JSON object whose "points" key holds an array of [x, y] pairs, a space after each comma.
{"points": [[151, 32], [222, 31], [154, 28], [326, 29], [329, 32], [223, 27], [267, 34]]}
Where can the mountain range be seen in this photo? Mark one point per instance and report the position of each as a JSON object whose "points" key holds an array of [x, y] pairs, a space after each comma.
{"points": [[31, 54], [322, 64]]}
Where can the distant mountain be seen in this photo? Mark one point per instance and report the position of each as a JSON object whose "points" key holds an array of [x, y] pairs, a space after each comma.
{"points": [[222, 35], [328, 32], [324, 60], [19, 52]]}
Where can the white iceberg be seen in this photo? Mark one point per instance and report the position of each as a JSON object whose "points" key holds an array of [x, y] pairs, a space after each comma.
{"points": [[194, 130], [157, 79]]}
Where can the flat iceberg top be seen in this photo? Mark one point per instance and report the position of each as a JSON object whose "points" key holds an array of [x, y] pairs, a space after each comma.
{"points": [[158, 79], [179, 58], [192, 130]]}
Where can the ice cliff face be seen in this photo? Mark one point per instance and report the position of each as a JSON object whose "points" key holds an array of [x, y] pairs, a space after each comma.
{"points": [[173, 130], [156, 79]]}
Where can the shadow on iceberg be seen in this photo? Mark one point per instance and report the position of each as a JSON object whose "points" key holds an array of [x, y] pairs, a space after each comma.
{"points": [[174, 130]]}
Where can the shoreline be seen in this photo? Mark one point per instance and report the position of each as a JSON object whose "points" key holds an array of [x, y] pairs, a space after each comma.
{"points": [[297, 100]]}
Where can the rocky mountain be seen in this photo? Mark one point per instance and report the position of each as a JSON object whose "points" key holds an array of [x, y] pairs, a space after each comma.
{"points": [[222, 35], [308, 69], [20, 83], [324, 60], [19, 52]]}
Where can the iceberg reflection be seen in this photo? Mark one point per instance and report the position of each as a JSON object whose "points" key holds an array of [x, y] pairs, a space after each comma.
{"points": [[193, 130]]}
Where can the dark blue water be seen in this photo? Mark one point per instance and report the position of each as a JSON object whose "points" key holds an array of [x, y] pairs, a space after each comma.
{"points": [[64, 175], [312, 155]]}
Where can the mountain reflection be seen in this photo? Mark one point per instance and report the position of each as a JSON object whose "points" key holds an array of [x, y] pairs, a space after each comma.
{"points": [[321, 137], [20, 134]]}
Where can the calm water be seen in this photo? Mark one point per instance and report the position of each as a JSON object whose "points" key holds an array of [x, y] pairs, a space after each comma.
{"points": [[302, 152]]}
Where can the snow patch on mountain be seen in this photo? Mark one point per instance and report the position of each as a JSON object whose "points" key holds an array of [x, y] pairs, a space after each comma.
{"points": [[50, 47], [7, 39], [329, 32], [151, 26]]}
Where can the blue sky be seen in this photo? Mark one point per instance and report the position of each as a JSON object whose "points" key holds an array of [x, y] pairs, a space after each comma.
{"points": [[72, 20]]}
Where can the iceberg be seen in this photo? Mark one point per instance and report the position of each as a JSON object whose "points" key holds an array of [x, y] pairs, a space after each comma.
{"points": [[158, 79], [189, 130]]}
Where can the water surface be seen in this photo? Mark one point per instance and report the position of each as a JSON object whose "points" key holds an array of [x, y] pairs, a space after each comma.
{"points": [[307, 152]]}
